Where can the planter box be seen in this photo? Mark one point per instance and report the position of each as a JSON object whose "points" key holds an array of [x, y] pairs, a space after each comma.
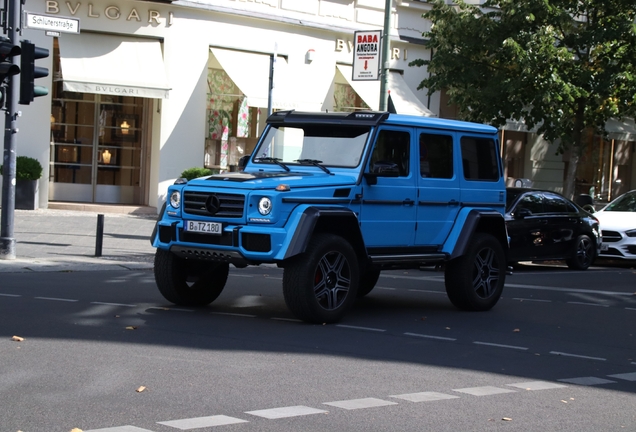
{"points": [[26, 194]]}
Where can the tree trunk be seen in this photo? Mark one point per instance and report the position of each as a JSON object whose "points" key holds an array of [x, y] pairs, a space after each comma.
{"points": [[576, 150]]}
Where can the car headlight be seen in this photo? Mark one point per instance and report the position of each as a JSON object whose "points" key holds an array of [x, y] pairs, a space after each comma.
{"points": [[265, 206], [175, 199], [631, 233]]}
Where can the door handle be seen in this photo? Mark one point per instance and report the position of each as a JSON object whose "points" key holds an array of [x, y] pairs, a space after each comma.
{"points": [[453, 203], [408, 202]]}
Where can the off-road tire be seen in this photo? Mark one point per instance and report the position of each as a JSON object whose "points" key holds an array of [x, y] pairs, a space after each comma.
{"points": [[583, 253], [474, 281], [188, 283], [320, 285]]}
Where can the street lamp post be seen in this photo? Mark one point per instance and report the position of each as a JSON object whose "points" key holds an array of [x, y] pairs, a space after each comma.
{"points": [[384, 75]]}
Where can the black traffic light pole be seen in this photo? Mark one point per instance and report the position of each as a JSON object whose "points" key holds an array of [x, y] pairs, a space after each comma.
{"points": [[7, 239]]}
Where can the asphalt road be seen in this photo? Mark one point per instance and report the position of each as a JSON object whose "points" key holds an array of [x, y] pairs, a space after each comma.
{"points": [[102, 351]]}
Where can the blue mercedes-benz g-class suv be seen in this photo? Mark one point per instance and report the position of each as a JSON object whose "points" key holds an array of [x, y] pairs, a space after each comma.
{"points": [[334, 199]]}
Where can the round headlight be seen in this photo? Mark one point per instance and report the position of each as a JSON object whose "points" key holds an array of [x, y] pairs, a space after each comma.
{"points": [[265, 206], [175, 199]]}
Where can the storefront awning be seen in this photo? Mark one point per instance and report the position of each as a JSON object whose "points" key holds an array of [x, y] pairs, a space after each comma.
{"points": [[617, 129], [621, 130], [403, 98], [292, 88], [113, 65]]}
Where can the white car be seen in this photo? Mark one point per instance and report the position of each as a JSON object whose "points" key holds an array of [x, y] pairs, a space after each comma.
{"points": [[618, 227]]}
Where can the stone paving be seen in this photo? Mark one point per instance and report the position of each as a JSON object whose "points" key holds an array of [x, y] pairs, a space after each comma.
{"points": [[66, 240]]}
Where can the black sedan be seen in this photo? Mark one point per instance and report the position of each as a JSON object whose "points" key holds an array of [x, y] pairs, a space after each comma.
{"points": [[543, 225]]}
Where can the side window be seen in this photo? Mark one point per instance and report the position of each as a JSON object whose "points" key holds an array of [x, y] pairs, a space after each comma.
{"points": [[436, 156], [555, 204], [532, 203], [479, 159], [393, 147]]}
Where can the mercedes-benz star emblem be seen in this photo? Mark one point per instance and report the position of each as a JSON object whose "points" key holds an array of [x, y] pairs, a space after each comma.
{"points": [[213, 204]]}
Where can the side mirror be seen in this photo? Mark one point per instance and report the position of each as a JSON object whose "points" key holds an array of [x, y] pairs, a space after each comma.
{"points": [[385, 169], [522, 213], [243, 161], [381, 169]]}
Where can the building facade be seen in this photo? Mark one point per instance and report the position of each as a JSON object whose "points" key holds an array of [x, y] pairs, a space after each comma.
{"points": [[148, 89]]}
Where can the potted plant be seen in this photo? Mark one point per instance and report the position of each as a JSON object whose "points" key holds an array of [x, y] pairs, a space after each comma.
{"points": [[27, 173], [196, 172]]}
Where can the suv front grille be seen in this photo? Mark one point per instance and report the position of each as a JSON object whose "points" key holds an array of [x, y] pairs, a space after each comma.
{"points": [[231, 205], [610, 236]]}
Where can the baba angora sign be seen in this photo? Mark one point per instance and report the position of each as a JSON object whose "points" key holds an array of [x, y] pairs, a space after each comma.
{"points": [[366, 55]]}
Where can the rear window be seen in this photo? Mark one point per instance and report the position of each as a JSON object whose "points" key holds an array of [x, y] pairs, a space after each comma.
{"points": [[479, 159]]}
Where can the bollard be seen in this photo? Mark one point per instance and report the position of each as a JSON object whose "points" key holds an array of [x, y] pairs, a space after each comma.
{"points": [[99, 239]]}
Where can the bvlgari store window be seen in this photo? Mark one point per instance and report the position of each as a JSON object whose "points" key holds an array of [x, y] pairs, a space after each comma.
{"points": [[96, 144]]}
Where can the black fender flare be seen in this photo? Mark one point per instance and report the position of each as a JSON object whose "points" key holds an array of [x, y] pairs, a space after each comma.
{"points": [[339, 220], [488, 221]]}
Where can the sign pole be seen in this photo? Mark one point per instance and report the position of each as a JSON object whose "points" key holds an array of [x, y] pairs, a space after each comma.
{"points": [[7, 239], [384, 79]]}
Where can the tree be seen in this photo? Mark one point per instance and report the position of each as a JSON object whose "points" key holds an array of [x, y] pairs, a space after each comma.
{"points": [[563, 66]]}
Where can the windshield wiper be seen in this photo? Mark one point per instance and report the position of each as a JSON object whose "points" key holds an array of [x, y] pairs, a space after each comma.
{"points": [[313, 162], [275, 160]]}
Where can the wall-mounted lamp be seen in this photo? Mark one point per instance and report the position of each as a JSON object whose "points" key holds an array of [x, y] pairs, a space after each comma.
{"points": [[124, 127], [106, 157], [309, 57]]}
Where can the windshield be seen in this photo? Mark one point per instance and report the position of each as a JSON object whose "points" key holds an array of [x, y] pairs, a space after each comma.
{"points": [[333, 145], [625, 203]]}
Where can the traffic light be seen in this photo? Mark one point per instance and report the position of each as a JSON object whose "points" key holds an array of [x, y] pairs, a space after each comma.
{"points": [[7, 52], [29, 72]]}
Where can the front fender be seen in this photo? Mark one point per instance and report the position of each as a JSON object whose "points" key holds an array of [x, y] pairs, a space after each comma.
{"points": [[303, 223], [469, 221]]}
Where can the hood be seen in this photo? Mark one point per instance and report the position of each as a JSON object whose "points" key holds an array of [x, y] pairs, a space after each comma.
{"points": [[616, 220], [269, 179]]}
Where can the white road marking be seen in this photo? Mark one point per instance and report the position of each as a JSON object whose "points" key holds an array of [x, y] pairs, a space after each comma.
{"points": [[10, 295], [424, 396], [168, 308], [500, 345], [576, 290], [120, 429], [430, 336], [484, 391], [427, 291], [248, 301], [537, 385], [625, 376], [283, 412], [360, 328], [353, 404], [630, 308], [532, 300], [201, 422], [577, 356], [587, 381], [287, 319], [386, 288], [587, 304], [56, 299], [113, 304], [234, 314]]}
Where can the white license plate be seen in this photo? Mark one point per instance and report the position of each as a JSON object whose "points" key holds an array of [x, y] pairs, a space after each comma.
{"points": [[204, 227], [604, 247]]}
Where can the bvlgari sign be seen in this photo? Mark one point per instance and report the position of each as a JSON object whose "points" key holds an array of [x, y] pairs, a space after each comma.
{"points": [[113, 13]]}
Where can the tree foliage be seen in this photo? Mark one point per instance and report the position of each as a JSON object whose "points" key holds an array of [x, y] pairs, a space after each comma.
{"points": [[562, 66]]}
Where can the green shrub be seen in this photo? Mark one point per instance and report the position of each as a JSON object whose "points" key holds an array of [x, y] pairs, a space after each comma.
{"points": [[26, 168], [192, 173]]}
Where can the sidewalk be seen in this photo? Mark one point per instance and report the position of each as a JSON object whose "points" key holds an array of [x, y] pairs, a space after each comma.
{"points": [[65, 240]]}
